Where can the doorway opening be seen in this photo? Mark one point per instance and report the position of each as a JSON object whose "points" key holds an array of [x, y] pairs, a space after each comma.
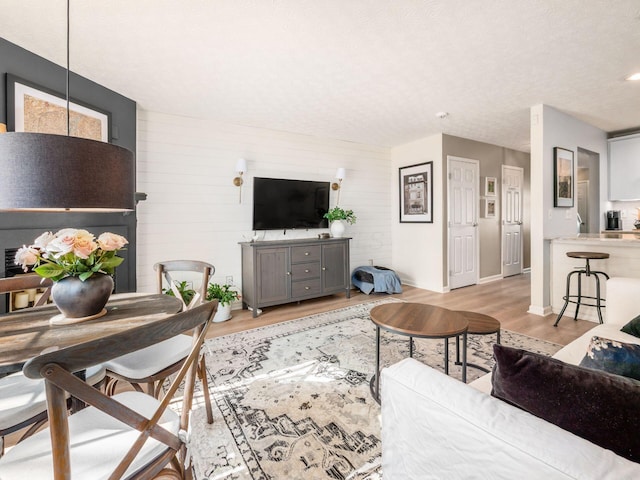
{"points": [[587, 192]]}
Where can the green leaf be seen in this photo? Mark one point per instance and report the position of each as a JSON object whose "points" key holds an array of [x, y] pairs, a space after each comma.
{"points": [[49, 270], [85, 275], [112, 262]]}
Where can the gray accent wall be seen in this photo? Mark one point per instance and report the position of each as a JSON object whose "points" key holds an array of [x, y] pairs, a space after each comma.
{"points": [[18, 228], [490, 158]]}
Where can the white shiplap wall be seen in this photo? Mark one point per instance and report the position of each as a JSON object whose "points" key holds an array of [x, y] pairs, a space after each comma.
{"points": [[186, 166]]}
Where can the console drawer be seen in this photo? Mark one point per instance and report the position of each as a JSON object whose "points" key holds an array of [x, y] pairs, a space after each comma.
{"points": [[305, 287], [305, 270], [309, 253]]}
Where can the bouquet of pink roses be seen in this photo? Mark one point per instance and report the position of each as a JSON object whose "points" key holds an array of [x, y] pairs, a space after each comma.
{"points": [[72, 253]]}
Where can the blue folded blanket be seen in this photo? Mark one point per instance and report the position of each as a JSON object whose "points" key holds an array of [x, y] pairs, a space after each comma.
{"points": [[384, 280]]}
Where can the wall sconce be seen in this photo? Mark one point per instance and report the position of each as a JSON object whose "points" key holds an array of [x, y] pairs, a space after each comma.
{"points": [[241, 167], [340, 174]]}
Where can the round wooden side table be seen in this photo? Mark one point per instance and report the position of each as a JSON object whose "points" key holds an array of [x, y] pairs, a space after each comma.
{"points": [[479, 324], [418, 320]]}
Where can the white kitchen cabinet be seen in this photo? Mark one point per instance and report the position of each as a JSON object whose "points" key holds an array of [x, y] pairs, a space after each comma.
{"points": [[624, 168]]}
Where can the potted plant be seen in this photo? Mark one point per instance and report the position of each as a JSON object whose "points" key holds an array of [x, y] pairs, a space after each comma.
{"points": [[338, 216], [184, 288], [80, 265], [225, 296]]}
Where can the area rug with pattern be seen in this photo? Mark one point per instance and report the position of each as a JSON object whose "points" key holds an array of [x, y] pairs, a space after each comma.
{"points": [[292, 400]]}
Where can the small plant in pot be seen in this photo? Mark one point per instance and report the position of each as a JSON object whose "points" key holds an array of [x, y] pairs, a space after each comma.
{"points": [[184, 288], [338, 216], [225, 297]]}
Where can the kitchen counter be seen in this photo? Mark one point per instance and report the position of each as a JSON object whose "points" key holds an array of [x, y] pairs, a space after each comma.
{"points": [[614, 232], [624, 261], [631, 238]]}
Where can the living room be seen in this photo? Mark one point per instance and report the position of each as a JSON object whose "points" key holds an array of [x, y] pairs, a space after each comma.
{"points": [[189, 129]]}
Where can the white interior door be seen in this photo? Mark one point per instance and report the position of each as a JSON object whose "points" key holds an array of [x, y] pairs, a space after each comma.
{"points": [[512, 179], [463, 221]]}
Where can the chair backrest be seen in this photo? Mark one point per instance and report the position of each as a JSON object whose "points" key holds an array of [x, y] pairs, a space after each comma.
{"points": [[165, 270], [57, 369], [30, 281]]}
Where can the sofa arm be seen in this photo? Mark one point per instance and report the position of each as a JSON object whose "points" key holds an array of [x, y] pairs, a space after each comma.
{"points": [[435, 427], [623, 296]]}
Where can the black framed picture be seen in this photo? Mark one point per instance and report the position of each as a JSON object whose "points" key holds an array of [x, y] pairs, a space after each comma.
{"points": [[416, 193], [563, 184], [32, 108]]}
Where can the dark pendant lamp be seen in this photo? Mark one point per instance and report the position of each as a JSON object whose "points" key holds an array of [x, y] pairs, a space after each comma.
{"points": [[55, 173]]}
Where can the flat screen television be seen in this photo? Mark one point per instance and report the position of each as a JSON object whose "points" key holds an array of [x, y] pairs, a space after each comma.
{"points": [[280, 204]]}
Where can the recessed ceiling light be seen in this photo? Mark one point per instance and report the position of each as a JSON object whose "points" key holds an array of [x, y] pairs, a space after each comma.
{"points": [[442, 114], [635, 76]]}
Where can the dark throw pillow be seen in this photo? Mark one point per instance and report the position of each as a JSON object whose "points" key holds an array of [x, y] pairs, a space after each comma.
{"points": [[614, 357], [597, 406], [633, 327]]}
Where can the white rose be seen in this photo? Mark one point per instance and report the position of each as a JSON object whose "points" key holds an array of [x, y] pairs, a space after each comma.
{"points": [[43, 240], [26, 256]]}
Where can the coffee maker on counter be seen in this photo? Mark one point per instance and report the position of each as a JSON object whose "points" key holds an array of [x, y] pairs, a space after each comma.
{"points": [[614, 222]]}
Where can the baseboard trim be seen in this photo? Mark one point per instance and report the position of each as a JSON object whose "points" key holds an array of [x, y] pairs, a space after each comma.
{"points": [[541, 311], [490, 279], [526, 270]]}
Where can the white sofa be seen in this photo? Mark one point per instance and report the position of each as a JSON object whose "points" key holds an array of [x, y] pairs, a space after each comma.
{"points": [[435, 427]]}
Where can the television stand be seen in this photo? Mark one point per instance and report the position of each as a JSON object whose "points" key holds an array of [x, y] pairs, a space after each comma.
{"points": [[286, 271]]}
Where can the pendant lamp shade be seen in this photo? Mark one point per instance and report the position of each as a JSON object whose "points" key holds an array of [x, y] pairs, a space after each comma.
{"points": [[55, 173]]}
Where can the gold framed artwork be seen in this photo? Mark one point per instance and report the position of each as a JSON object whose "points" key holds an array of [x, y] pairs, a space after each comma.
{"points": [[32, 108], [563, 181]]}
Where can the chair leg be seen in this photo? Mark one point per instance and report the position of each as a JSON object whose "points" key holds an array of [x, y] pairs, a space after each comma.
{"points": [[566, 297], [155, 388], [110, 386], [202, 373], [33, 429], [598, 303], [575, 316]]}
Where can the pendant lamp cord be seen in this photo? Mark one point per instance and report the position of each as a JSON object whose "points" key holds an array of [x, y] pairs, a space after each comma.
{"points": [[68, 113]]}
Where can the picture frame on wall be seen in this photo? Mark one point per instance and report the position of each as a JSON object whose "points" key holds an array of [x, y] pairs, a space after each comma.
{"points": [[490, 208], [563, 181], [33, 108], [490, 186], [416, 193]]}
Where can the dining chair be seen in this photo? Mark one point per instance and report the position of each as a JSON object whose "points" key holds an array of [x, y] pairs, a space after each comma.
{"points": [[151, 366], [22, 400], [129, 435], [164, 271]]}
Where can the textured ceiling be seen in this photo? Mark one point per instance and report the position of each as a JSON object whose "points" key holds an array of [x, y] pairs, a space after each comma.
{"points": [[368, 71]]}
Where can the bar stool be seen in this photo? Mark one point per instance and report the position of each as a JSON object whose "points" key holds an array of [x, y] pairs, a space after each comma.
{"points": [[587, 272]]}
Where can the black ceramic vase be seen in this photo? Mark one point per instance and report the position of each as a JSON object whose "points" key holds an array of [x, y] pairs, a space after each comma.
{"points": [[78, 299]]}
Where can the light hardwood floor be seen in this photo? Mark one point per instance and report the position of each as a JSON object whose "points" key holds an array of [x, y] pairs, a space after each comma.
{"points": [[507, 300]]}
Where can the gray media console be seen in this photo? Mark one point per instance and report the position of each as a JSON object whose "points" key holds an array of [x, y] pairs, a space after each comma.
{"points": [[284, 271]]}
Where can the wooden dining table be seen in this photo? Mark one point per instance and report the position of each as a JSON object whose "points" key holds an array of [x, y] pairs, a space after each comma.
{"points": [[27, 333]]}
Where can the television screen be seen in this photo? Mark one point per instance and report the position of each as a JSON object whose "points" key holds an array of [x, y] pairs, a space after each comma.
{"points": [[287, 204]]}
